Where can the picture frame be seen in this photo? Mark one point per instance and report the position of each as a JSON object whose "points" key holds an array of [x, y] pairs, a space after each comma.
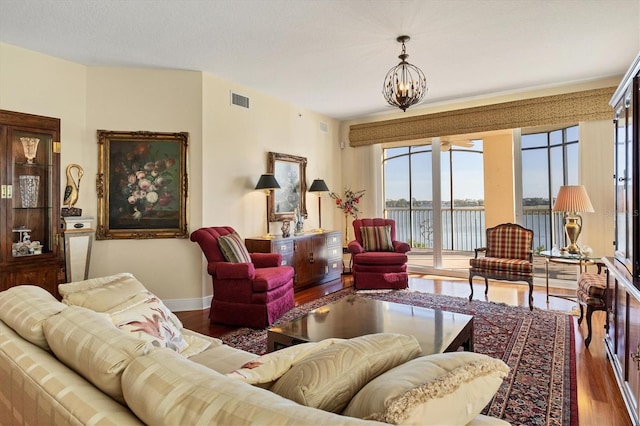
{"points": [[142, 185], [290, 172]]}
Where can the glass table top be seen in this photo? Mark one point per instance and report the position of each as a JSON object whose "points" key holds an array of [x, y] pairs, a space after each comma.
{"points": [[354, 316]]}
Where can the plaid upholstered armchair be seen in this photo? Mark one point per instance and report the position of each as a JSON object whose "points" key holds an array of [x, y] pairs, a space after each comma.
{"points": [[508, 256]]}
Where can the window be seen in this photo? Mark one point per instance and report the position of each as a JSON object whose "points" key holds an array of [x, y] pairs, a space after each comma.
{"points": [[549, 160], [457, 222]]}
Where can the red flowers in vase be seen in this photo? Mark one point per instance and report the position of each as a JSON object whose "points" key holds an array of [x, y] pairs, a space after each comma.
{"points": [[349, 202]]}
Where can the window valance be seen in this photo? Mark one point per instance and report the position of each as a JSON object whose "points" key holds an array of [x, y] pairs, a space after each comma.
{"points": [[588, 105]]}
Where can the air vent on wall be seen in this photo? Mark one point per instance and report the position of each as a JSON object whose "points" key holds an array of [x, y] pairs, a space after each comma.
{"points": [[324, 127], [239, 100]]}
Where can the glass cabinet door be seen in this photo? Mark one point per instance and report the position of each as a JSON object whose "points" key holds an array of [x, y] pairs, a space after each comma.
{"points": [[31, 174]]}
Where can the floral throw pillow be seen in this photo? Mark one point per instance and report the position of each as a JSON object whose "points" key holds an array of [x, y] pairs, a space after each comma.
{"points": [[233, 248], [147, 318], [376, 238]]}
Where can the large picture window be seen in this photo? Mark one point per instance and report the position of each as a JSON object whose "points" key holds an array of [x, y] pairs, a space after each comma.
{"points": [[454, 221], [549, 160]]}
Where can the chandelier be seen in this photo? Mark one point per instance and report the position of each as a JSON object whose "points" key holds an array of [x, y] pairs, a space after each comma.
{"points": [[405, 84]]}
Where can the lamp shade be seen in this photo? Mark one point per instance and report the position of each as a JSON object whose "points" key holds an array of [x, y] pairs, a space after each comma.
{"points": [[573, 199], [318, 185], [267, 181]]}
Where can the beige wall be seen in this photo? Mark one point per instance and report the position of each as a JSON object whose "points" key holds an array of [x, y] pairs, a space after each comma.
{"points": [[227, 152], [499, 195]]}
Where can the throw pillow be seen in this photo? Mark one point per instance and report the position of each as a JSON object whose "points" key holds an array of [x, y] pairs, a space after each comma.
{"points": [[130, 306], [147, 318], [25, 307], [103, 293], [90, 344], [269, 367], [233, 248], [450, 388], [376, 238], [328, 379]]}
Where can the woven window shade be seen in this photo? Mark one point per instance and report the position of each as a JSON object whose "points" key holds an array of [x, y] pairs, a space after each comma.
{"points": [[567, 108]]}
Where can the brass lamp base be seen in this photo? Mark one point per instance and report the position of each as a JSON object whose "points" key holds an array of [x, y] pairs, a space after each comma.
{"points": [[573, 229]]}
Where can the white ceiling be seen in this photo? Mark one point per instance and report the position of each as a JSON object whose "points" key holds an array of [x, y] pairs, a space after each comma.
{"points": [[331, 56]]}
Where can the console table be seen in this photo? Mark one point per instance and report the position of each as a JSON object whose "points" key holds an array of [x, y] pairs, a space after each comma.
{"points": [[315, 256]]}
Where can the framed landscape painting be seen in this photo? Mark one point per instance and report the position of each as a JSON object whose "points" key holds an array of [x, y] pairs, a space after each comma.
{"points": [[290, 172], [142, 185]]}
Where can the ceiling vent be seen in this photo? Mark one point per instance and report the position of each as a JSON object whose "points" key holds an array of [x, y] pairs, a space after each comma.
{"points": [[324, 127], [239, 100]]}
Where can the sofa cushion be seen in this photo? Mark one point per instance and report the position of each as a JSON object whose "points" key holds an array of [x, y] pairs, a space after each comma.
{"points": [[328, 379], [37, 389], [233, 248], [90, 344], [376, 238], [450, 388], [179, 392], [25, 307]]}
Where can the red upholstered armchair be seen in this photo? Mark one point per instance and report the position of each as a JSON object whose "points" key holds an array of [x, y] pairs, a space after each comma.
{"points": [[508, 256], [253, 291], [379, 261]]}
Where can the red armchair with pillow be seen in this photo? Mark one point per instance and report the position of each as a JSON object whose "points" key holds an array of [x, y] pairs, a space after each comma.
{"points": [[250, 290], [379, 261]]}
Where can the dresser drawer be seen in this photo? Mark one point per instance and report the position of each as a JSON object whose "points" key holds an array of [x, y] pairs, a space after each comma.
{"points": [[334, 266], [334, 239], [284, 247]]}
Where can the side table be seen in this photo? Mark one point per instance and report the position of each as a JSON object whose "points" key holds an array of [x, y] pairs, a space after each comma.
{"points": [[567, 259], [346, 270]]}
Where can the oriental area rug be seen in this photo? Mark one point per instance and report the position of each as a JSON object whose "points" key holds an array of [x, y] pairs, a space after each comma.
{"points": [[537, 345]]}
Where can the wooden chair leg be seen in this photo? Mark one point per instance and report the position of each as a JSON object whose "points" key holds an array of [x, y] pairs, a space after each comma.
{"points": [[486, 286], [588, 339], [530, 294], [471, 285], [581, 314]]}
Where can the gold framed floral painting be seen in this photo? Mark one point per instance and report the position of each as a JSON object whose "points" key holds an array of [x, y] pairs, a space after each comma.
{"points": [[142, 185]]}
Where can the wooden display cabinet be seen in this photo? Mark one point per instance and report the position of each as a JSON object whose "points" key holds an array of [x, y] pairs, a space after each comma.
{"points": [[316, 256], [622, 338], [30, 251]]}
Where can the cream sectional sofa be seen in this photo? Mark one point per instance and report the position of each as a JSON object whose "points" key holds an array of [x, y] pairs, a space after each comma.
{"points": [[112, 354]]}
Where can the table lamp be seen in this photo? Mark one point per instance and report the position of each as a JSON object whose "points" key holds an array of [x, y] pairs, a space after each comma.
{"points": [[267, 182], [571, 200], [319, 186]]}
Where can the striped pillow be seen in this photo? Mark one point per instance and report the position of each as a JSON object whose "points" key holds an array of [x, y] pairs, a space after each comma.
{"points": [[377, 238], [233, 248]]}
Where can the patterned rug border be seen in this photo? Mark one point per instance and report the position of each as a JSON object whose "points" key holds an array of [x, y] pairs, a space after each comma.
{"points": [[522, 347]]}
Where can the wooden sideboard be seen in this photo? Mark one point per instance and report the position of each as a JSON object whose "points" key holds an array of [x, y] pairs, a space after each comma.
{"points": [[315, 256]]}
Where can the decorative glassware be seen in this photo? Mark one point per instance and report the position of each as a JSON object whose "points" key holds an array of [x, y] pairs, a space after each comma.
{"points": [[30, 146], [29, 185]]}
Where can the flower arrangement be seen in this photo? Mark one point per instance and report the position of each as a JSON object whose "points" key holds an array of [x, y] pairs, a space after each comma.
{"points": [[145, 178], [349, 202]]}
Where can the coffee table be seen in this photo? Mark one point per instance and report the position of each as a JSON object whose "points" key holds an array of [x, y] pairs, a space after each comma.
{"points": [[436, 330]]}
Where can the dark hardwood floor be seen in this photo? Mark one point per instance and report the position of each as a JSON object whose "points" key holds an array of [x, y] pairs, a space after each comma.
{"points": [[599, 400]]}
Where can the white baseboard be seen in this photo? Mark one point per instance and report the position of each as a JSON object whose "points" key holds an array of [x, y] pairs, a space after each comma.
{"points": [[195, 304]]}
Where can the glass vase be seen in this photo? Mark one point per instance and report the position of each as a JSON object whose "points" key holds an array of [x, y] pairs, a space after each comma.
{"points": [[29, 186]]}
